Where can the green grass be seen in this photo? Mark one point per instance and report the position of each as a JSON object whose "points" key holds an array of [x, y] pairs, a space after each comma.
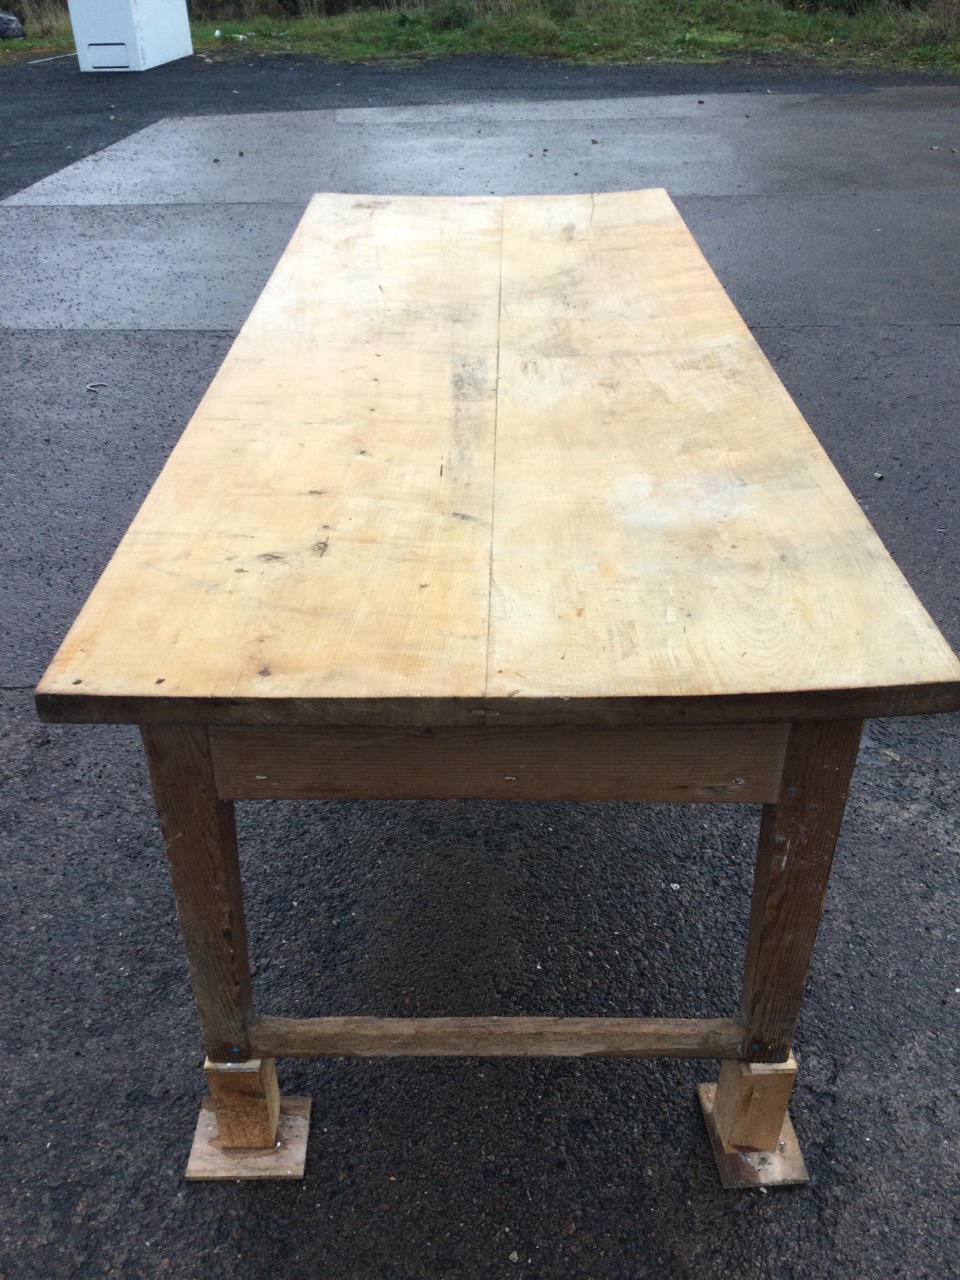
{"points": [[877, 34]]}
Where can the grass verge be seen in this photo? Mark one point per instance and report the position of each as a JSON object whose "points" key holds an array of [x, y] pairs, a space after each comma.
{"points": [[877, 33]]}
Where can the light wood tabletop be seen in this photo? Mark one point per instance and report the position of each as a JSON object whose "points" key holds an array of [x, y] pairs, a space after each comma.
{"points": [[517, 457]]}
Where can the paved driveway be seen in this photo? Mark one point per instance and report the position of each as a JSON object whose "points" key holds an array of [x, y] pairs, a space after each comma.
{"points": [[831, 210]]}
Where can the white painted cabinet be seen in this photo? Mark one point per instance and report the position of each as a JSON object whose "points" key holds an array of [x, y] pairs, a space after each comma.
{"points": [[129, 35]]}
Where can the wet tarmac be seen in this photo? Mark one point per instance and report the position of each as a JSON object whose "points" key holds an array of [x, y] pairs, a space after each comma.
{"points": [[136, 238]]}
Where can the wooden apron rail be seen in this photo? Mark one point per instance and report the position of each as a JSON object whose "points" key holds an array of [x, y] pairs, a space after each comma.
{"points": [[496, 1037]]}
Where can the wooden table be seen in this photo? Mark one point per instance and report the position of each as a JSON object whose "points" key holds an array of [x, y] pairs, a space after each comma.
{"points": [[499, 498]]}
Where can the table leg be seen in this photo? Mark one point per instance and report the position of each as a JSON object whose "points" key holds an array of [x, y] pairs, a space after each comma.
{"points": [[798, 835], [201, 844]]}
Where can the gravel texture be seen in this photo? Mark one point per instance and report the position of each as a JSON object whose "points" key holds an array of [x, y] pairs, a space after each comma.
{"points": [[443, 1169]]}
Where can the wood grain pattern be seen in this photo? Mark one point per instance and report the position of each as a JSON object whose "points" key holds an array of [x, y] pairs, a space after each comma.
{"points": [[201, 843], [323, 526], [782, 1167], [247, 1101], [518, 457], [750, 1103], [797, 840], [666, 522], [811, 704], [211, 1161], [720, 764], [497, 1037]]}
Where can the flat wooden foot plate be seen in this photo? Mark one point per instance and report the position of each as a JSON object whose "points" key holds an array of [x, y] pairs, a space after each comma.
{"points": [[208, 1159], [782, 1167]]}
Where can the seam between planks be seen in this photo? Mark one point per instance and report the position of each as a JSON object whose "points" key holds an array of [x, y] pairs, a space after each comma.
{"points": [[493, 463]]}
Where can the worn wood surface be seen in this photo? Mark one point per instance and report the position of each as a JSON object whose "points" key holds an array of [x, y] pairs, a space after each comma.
{"points": [[497, 1037], [518, 457], [246, 1099], [323, 527], [760, 708], [750, 1103], [784, 1166], [201, 843], [665, 521], [211, 1161], [795, 852], [736, 763]]}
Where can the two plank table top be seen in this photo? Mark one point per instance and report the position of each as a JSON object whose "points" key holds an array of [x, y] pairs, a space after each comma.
{"points": [[499, 498]]}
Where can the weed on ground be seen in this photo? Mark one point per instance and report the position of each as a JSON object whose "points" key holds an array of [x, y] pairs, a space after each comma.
{"points": [[864, 33]]}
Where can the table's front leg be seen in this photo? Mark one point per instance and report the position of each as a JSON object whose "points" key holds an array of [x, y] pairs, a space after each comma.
{"points": [[201, 844], [747, 1112]]}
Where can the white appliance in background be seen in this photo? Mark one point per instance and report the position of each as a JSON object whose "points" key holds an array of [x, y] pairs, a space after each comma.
{"points": [[129, 35]]}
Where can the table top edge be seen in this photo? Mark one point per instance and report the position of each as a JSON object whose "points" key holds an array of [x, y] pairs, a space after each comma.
{"points": [[934, 698]]}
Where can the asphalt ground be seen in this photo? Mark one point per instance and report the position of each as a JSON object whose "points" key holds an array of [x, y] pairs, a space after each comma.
{"points": [[829, 206]]}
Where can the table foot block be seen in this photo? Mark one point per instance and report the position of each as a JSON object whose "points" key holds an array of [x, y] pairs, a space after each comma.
{"points": [[210, 1160], [782, 1167]]}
